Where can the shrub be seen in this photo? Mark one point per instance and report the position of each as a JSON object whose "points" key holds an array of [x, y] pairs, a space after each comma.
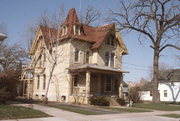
{"points": [[100, 101], [8, 83], [121, 101], [4, 95]]}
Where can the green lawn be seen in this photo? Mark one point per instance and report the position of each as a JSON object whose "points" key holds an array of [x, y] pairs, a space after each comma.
{"points": [[171, 115], [159, 106], [91, 111], [74, 109], [128, 110], [19, 112]]}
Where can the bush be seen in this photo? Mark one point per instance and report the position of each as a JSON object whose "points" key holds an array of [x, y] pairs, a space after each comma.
{"points": [[134, 94], [121, 101], [8, 83], [100, 101], [4, 95]]}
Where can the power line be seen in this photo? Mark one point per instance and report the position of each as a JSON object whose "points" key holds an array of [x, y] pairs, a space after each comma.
{"points": [[135, 65]]}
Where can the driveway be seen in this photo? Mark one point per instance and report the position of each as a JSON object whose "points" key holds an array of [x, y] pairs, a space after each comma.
{"points": [[61, 115]]}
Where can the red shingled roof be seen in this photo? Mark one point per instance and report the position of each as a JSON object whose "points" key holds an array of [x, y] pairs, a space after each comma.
{"points": [[95, 35]]}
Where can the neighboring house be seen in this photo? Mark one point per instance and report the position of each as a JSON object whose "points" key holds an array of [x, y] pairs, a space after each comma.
{"points": [[79, 60], [2, 37], [169, 87]]}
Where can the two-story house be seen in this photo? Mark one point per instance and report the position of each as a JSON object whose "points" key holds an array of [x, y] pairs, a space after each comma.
{"points": [[75, 62]]}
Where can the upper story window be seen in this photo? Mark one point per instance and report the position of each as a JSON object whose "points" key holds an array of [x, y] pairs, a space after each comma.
{"points": [[77, 30], [76, 55], [112, 60], [109, 59], [111, 40], [87, 54], [64, 30], [106, 58]]}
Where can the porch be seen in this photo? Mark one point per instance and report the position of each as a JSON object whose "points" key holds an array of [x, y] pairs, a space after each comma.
{"points": [[91, 80]]}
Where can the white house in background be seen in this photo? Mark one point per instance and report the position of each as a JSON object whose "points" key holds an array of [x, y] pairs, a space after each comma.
{"points": [[169, 87], [2, 37]]}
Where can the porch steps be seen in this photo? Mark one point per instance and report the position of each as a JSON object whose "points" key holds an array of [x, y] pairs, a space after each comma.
{"points": [[113, 102]]}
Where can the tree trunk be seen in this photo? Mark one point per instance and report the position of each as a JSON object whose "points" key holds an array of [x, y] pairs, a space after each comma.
{"points": [[155, 92], [45, 101]]}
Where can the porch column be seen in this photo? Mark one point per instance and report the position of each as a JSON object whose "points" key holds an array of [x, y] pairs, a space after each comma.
{"points": [[70, 85], [87, 83], [121, 86]]}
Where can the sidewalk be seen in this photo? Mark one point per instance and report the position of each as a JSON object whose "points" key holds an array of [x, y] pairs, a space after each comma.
{"points": [[61, 115]]}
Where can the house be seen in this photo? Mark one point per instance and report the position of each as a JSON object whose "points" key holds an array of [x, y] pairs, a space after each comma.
{"points": [[2, 37], [75, 62], [169, 87]]}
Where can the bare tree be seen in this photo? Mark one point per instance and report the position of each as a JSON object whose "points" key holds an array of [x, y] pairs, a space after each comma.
{"points": [[12, 57], [155, 20], [90, 16]]}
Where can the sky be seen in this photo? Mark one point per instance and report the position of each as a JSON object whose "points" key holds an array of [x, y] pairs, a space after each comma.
{"points": [[17, 15]]}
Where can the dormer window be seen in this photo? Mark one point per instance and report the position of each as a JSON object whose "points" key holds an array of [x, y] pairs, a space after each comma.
{"points": [[64, 30], [77, 30], [111, 40]]}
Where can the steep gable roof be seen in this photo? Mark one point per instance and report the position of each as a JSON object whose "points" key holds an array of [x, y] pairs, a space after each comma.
{"points": [[94, 35]]}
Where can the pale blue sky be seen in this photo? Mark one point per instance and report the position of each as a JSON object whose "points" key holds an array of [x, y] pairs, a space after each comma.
{"points": [[18, 14]]}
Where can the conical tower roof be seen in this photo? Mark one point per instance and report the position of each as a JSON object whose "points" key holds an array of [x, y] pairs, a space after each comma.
{"points": [[71, 17]]}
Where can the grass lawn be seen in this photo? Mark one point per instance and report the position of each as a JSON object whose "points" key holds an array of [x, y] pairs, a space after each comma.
{"points": [[171, 115], [19, 112], [159, 106], [74, 109], [128, 110], [96, 111]]}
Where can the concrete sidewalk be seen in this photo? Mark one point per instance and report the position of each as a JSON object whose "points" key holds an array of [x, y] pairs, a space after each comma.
{"points": [[61, 115]]}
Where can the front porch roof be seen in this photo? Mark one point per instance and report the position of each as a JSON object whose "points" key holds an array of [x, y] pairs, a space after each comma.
{"points": [[95, 68]]}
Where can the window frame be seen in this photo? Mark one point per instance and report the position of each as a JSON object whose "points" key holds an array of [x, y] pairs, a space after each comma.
{"points": [[87, 58], [109, 84], [165, 93], [38, 81], [106, 58], [44, 82], [76, 55], [75, 79]]}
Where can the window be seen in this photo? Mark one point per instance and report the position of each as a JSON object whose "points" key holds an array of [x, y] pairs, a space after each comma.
{"points": [[165, 93], [87, 54], [112, 59], [151, 93], [109, 59], [108, 84], [64, 30], [75, 81], [111, 40], [76, 29], [106, 58], [116, 86], [76, 55], [44, 82], [38, 81]]}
